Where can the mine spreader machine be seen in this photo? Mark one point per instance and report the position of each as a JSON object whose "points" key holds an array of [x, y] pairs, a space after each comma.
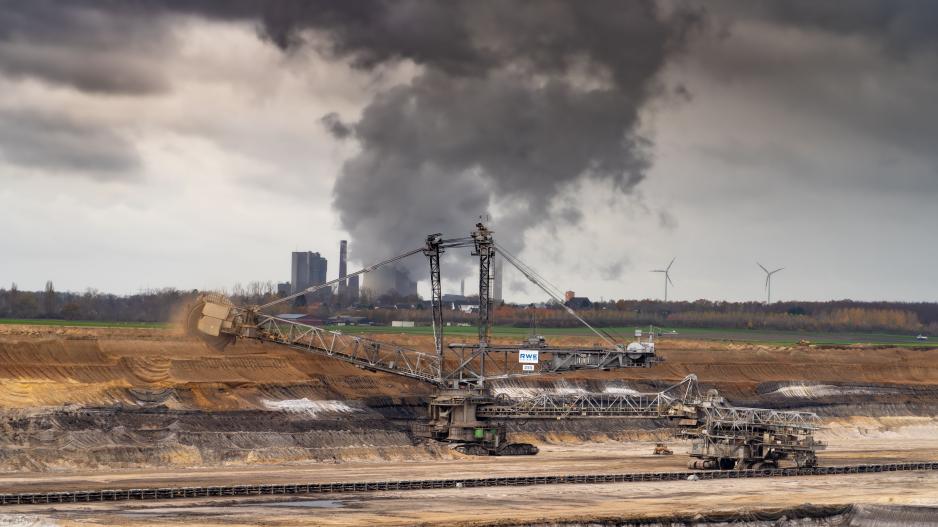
{"points": [[466, 413]]}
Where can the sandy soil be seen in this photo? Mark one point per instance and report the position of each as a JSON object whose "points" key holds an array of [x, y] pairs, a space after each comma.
{"points": [[566, 458], [849, 445], [48, 367], [503, 506]]}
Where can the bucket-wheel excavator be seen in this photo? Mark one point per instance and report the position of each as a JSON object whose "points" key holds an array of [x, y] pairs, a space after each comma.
{"points": [[466, 414]]}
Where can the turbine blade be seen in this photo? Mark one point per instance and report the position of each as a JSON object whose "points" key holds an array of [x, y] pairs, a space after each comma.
{"points": [[762, 266], [666, 275], [672, 263], [777, 270]]}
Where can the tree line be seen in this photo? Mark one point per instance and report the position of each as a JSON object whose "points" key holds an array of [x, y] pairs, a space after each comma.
{"points": [[163, 305], [841, 315]]}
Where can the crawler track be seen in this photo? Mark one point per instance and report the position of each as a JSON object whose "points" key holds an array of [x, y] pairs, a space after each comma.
{"points": [[166, 493]]}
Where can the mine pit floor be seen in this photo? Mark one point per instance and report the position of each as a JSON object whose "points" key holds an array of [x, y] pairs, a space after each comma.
{"points": [[485, 506], [584, 458]]}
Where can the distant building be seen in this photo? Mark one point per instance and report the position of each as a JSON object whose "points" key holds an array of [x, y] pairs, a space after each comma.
{"points": [[578, 302], [459, 303], [448, 297], [346, 320], [283, 289], [307, 269]]}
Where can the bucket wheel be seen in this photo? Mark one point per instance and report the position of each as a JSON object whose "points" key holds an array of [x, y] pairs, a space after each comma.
{"points": [[194, 314]]}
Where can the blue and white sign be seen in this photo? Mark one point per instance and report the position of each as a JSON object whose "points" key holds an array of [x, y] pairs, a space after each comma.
{"points": [[527, 356], [527, 367]]}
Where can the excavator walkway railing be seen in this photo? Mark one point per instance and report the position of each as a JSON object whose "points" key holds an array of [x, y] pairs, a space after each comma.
{"points": [[167, 493], [670, 402], [587, 405], [361, 351]]}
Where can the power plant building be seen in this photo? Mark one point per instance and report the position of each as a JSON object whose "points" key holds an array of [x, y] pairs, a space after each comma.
{"points": [[307, 269]]}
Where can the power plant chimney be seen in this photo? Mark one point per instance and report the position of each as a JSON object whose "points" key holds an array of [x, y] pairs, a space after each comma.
{"points": [[343, 267]]}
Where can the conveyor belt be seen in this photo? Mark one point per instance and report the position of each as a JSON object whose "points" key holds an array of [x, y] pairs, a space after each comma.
{"points": [[166, 493]]}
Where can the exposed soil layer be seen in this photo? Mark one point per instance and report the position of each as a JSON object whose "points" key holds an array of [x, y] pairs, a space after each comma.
{"points": [[84, 398], [803, 516]]}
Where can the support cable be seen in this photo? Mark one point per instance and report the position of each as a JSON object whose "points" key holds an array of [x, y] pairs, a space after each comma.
{"points": [[532, 275]]}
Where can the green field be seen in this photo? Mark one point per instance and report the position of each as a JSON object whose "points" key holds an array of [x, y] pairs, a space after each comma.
{"points": [[621, 334], [498, 331], [626, 333], [81, 323]]}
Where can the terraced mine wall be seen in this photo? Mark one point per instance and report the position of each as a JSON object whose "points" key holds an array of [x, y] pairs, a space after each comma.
{"points": [[124, 398], [804, 516]]}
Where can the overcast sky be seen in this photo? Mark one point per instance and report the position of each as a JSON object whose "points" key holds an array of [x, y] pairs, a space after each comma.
{"points": [[195, 144]]}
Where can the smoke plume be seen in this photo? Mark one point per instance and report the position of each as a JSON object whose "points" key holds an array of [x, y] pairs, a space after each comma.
{"points": [[513, 104]]}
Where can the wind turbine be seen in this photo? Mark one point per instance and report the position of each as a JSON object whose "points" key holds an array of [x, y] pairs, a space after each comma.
{"points": [[667, 277], [768, 282]]}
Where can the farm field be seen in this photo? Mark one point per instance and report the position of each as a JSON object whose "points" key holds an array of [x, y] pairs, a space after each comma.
{"points": [[620, 333], [626, 333]]}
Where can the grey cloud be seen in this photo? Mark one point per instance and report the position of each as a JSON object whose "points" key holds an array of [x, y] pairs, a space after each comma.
{"points": [[750, 157], [900, 25], [683, 93], [613, 271], [517, 286], [513, 103], [571, 215], [666, 220], [58, 144], [95, 47], [863, 74]]}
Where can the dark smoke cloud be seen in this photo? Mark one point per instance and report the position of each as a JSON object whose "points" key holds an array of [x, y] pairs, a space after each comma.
{"points": [[527, 99]]}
